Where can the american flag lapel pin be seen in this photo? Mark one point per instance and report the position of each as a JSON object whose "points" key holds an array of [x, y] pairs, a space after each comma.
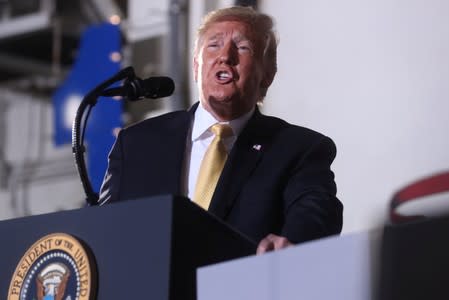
{"points": [[257, 147]]}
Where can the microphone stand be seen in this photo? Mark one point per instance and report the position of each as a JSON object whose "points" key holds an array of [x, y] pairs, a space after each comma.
{"points": [[79, 128]]}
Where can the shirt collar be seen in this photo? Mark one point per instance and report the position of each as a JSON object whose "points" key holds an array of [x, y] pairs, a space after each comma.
{"points": [[203, 120]]}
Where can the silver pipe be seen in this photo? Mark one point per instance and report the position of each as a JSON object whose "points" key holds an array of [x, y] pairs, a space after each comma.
{"points": [[176, 61]]}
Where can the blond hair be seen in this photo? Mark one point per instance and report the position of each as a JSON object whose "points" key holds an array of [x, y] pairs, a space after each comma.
{"points": [[261, 24]]}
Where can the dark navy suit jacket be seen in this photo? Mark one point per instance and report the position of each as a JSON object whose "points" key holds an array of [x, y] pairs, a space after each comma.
{"points": [[277, 178]]}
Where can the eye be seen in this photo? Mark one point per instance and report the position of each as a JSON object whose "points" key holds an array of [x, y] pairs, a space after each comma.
{"points": [[244, 48], [213, 44]]}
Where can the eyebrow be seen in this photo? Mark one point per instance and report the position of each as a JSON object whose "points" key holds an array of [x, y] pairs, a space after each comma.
{"points": [[215, 36], [241, 37], [238, 38]]}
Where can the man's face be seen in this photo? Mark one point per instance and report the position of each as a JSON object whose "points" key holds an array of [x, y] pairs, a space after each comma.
{"points": [[228, 69]]}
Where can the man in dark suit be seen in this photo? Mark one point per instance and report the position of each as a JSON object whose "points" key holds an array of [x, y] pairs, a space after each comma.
{"points": [[276, 185]]}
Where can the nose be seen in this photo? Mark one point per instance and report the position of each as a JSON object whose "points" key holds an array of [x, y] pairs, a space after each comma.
{"points": [[228, 54]]}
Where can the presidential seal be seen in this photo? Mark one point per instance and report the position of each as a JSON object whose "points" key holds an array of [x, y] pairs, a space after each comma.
{"points": [[56, 267]]}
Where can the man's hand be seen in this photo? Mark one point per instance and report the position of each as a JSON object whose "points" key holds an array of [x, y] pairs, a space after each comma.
{"points": [[272, 242]]}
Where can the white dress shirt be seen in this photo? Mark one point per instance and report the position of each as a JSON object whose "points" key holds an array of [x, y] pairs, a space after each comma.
{"points": [[199, 140]]}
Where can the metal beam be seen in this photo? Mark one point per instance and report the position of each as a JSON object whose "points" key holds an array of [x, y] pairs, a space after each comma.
{"points": [[24, 65], [18, 25]]}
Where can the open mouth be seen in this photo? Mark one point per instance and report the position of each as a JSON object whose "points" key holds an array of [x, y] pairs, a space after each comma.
{"points": [[224, 76]]}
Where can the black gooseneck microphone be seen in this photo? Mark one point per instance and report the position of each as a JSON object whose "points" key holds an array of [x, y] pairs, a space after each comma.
{"points": [[134, 89]]}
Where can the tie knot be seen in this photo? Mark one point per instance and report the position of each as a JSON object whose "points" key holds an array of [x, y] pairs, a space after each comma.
{"points": [[222, 130]]}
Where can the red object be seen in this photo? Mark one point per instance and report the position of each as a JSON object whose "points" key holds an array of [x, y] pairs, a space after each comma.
{"points": [[428, 186]]}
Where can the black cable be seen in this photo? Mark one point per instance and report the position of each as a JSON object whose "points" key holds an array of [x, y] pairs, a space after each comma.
{"points": [[84, 125]]}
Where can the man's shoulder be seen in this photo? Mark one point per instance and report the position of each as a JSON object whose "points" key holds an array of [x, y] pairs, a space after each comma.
{"points": [[285, 128], [283, 135], [167, 121]]}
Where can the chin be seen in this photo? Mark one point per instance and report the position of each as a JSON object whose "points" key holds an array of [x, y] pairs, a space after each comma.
{"points": [[223, 93], [222, 100]]}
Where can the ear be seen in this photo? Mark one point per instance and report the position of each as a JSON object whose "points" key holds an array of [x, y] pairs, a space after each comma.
{"points": [[267, 79], [195, 68]]}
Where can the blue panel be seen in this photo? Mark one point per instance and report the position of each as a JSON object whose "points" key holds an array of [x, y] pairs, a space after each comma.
{"points": [[93, 65]]}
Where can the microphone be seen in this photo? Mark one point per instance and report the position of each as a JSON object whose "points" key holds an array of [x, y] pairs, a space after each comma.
{"points": [[136, 89]]}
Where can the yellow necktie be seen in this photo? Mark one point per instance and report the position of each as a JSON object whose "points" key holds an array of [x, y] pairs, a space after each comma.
{"points": [[211, 166]]}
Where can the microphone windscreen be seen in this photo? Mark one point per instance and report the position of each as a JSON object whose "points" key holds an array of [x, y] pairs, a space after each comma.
{"points": [[158, 87]]}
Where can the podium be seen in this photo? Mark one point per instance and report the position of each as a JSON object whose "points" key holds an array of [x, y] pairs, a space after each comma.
{"points": [[143, 249], [415, 262], [336, 267]]}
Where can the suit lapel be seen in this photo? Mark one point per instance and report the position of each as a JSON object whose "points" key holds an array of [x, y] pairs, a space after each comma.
{"points": [[247, 152]]}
